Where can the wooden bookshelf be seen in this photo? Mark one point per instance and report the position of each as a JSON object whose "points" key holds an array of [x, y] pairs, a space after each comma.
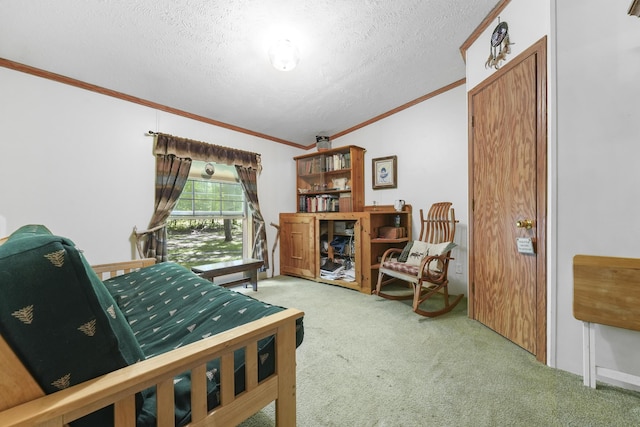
{"points": [[373, 246], [330, 180]]}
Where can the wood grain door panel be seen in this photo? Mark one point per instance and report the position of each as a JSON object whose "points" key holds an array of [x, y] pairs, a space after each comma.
{"points": [[505, 187], [297, 245]]}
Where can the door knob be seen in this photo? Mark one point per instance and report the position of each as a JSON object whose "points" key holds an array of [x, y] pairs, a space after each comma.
{"points": [[524, 223]]}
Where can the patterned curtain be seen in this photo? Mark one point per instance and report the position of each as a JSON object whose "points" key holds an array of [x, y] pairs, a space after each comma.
{"points": [[171, 176], [173, 161], [189, 149], [248, 179]]}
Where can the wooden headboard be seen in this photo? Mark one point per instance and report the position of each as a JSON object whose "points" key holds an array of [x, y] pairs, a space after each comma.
{"points": [[606, 290]]}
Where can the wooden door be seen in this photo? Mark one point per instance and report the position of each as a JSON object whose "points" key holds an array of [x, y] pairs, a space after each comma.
{"points": [[508, 185], [298, 256]]}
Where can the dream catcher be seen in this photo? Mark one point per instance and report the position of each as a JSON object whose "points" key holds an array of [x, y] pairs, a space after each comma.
{"points": [[499, 45]]}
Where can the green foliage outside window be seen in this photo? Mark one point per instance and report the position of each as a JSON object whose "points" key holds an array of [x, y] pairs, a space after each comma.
{"points": [[206, 224], [210, 198]]}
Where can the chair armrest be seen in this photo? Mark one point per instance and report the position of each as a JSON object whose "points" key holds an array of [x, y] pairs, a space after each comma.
{"points": [[433, 276], [388, 253]]}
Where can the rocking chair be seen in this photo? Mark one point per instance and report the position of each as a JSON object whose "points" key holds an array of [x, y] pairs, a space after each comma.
{"points": [[423, 263]]}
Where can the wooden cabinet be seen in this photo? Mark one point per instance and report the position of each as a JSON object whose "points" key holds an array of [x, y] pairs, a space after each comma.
{"points": [[306, 244], [339, 244], [382, 228], [298, 245], [330, 194], [331, 180]]}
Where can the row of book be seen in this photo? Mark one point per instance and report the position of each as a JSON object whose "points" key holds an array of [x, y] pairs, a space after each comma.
{"points": [[325, 203], [324, 163], [319, 203]]}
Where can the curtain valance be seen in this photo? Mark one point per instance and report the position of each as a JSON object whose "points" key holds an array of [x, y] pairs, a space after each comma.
{"points": [[196, 150]]}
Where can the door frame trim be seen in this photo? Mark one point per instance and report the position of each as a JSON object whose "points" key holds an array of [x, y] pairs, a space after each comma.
{"points": [[539, 49]]}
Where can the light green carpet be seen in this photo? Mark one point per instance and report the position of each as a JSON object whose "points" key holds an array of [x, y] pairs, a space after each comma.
{"points": [[368, 361]]}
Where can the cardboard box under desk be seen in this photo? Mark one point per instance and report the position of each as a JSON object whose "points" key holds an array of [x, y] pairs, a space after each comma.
{"points": [[391, 232]]}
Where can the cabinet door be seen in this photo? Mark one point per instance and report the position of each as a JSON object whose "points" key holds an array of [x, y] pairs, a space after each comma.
{"points": [[297, 245]]}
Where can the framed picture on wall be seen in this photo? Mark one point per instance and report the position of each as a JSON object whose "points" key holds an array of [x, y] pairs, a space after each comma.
{"points": [[384, 172]]}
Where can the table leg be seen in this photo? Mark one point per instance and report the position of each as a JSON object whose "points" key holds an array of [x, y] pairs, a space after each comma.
{"points": [[254, 279]]}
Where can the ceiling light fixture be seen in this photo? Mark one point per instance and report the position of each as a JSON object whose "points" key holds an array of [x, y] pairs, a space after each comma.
{"points": [[284, 55]]}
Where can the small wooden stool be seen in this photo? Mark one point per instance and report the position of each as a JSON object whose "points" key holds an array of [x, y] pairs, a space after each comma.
{"points": [[248, 266]]}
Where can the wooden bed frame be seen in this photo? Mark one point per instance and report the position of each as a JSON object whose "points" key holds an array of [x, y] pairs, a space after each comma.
{"points": [[22, 401]]}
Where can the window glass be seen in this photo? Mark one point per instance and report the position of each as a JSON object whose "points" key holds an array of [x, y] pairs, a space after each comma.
{"points": [[209, 222]]}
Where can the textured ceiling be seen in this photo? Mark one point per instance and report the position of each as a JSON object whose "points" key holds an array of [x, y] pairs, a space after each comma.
{"points": [[359, 58]]}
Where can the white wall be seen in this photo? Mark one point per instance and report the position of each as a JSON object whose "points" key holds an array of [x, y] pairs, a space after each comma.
{"points": [[430, 140], [528, 22], [593, 147], [80, 163], [598, 152]]}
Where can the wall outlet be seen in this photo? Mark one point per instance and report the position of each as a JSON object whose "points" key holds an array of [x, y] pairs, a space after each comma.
{"points": [[458, 268]]}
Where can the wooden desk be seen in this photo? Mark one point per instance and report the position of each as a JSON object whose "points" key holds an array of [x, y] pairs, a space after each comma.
{"points": [[248, 267]]}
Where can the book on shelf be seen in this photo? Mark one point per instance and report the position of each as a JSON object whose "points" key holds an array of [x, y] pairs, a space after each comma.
{"points": [[324, 163], [319, 203], [340, 273], [330, 266], [339, 161], [349, 275], [332, 270], [312, 166]]}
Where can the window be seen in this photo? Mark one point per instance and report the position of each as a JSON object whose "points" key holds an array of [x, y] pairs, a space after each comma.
{"points": [[210, 199], [209, 221]]}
